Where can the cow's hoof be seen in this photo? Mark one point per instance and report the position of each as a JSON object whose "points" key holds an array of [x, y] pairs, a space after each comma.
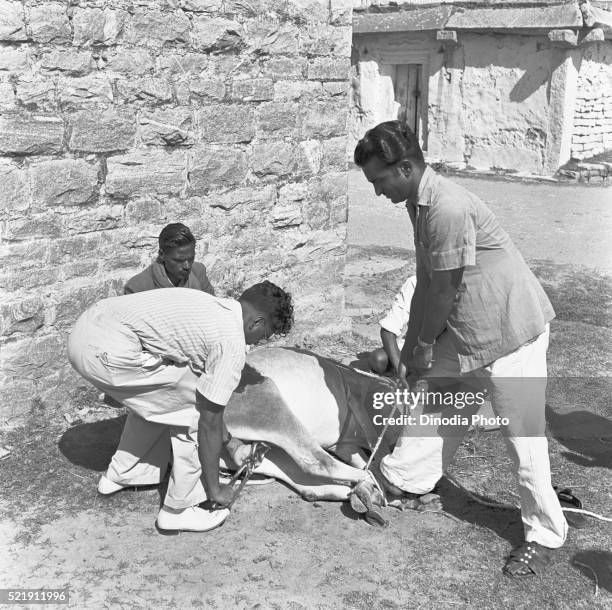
{"points": [[365, 497], [374, 517]]}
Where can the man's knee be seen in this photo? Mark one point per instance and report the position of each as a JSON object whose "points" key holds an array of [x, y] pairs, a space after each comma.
{"points": [[378, 360]]}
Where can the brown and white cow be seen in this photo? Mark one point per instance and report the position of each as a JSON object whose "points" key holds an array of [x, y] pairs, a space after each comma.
{"points": [[316, 414]]}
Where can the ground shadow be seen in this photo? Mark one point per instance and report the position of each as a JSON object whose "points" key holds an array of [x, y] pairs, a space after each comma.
{"points": [[505, 522], [596, 565], [588, 436], [92, 445]]}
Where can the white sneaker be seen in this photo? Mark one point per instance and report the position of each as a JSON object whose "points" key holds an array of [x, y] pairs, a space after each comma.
{"points": [[106, 487], [192, 519]]}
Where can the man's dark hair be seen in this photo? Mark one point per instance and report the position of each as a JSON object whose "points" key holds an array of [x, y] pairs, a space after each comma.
{"points": [[175, 235], [273, 302], [392, 142]]}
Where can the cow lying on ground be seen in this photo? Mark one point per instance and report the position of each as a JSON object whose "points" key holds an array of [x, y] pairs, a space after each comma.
{"points": [[307, 408]]}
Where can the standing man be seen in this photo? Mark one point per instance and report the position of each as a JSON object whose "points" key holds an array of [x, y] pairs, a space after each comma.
{"points": [[173, 357], [478, 313], [175, 266]]}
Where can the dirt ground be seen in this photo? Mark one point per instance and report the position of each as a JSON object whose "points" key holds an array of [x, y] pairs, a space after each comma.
{"points": [[278, 551]]}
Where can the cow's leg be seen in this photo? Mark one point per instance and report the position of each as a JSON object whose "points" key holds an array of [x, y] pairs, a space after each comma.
{"points": [[262, 415], [279, 465]]}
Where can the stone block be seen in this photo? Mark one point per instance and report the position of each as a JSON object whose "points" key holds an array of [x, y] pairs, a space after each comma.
{"points": [[149, 90], [338, 211], [49, 23], [210, 168], [136, 62], [252, 90], [253, 198], [173, 127], [95, 26], [26, 358], [102, 130], [80, 269], [153, 28], [143, 211], [44, 226], [75, 247], [278, 119], [8, 101], [329, 68], [72, 303], [341, 12], [64, 182], [316, 213], [97, 218], [227, 123], [32, 277], [271, 37], [21, 316], [336, 88], [286, 216], [71, 62], [324, 119], [217, 35], [563, 38], [36, 93], [24, 255], [144, 173], [12, 25], [334, 154], [273, 159], [297, 90], [285, 67], [308, 158], [200, 89], [183, 64], [326, 41], [14, 188], [85, 90], [31, 134], [13, 60]]}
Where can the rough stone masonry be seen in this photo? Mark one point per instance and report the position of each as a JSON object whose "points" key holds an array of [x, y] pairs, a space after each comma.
{"points": [[119, 116]]}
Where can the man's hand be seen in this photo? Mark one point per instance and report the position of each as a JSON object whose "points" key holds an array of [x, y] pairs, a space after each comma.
{"points": [[238, 451], [422, 356], [222, 495], [402, 376]]}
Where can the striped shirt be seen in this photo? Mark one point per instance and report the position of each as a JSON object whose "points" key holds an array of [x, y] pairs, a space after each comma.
{"points": [[190, 327]]}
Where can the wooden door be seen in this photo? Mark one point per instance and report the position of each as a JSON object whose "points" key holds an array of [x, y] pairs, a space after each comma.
{"points": [[408, 79]]}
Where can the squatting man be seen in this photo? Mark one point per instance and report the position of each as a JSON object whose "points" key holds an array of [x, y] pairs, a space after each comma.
{"points": [[477, 315]]}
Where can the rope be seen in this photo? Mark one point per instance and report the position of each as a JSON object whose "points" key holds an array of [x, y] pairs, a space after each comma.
{"points": [[515, 506]]}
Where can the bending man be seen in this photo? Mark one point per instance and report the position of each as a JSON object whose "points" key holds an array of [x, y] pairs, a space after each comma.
{"points": [[173, 357]]}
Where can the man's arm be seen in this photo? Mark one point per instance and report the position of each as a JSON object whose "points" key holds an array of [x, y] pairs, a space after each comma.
{"points": [[389, 341], [210, 442], [439, 302], [417, 313]]}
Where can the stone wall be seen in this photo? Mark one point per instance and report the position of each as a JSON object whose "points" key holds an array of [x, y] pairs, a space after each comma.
{"points": [[119, 116], [592, 133], [486, 99]]}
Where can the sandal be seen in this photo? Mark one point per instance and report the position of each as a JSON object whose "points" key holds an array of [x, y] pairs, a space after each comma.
{"points": [[569, 500], [528, 559]]}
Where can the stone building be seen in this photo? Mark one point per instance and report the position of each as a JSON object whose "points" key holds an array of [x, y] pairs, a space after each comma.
{"points": [[119, 116], [500, 84]]}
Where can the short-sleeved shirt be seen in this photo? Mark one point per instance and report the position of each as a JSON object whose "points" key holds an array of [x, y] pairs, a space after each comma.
{"points": [[189, 327], [500, 305], [397, 317]]}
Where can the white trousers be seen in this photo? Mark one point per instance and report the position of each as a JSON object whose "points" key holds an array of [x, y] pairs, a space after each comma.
{"points": [[516, 385], [160, 398]]}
